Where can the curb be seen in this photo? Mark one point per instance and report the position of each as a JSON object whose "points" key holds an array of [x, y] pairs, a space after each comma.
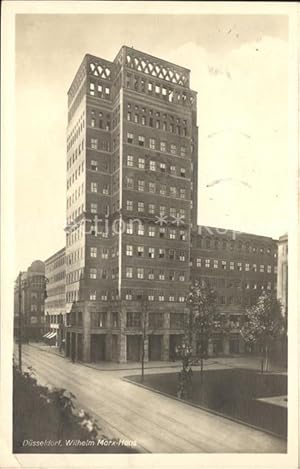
{"points": [[208, 411]]}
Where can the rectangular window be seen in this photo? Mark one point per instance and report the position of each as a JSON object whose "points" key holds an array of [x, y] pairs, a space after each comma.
{"points": [[223, 265], [92, 295], [216, 263], [162, 167], [152, 187], [152, 165], [173, 148], [239, 267], [181, 256], [182, 193], [128, 295], [173, 191], [161, 296], [172, 212], [162, 210], [94, 208], [93, 273], [136, 118], [151, 231], [182, 172], [141, 229], [129, 160], [172, 234], [141, 185], [151, 208], [182, 235], [162, 232], [152, 144], [140, 251], [151, 253], [182, 151], [141, 207], [93, 252], [254, 268], [129, 205], [129, 228], [133, 320], [129, 250], [94, 143], [104, 254], [129, 137], [143, 120], [141, 141], [269, 269], [129, 183], [129, 116], [151, 274], [173, 170], [261, 268], [231, 266], [141, 163], [269, 286], [129, 272], [247, 267], [92, 89], [207, 263], [161, 253], [163, 146], [140, 273], [163, 189]]}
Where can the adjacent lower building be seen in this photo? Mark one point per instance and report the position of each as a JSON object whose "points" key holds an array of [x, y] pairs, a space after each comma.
{"points": [[282, 278], [29, 298], [55, 303], [238, 266]]}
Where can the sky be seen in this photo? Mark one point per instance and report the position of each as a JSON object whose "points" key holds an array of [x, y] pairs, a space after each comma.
{"points": [[239, 68]]}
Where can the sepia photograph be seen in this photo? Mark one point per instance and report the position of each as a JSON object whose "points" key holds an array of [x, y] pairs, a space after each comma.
{"points": [[149, 220]]}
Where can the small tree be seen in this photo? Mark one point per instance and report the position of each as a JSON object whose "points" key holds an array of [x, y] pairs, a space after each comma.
{"points": [[204, 320], [263, 324]]}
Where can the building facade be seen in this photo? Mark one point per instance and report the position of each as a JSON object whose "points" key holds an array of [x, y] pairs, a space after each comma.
{"points": [[29, 298], [55, 302], [282, 279], [238, 266], [131, 205]]}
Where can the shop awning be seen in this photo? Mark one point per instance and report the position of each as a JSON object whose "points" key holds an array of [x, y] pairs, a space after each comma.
{"points": [[47, 335]]}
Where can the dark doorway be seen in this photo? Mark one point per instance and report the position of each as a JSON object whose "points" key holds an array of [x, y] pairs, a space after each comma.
{"points": [[155, 342], [234, 346], [97, 347], [114, 347], [175, 340], [79, 347], [134, 348]]}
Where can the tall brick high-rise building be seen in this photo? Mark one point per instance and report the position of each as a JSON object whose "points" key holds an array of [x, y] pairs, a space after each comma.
{"points": [[131, 205]]}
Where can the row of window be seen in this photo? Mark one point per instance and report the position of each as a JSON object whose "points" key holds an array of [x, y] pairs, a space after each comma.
{"points": [[75, 175], [141, 273], [77, 194], [231, 265], [157, 123], [75, 132], [99, 90], [75, 155], [216, 243], [142, 251], [139, 185], [153, 144], [159, 90]]}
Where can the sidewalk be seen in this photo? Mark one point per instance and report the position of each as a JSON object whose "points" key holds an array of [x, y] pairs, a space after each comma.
{"points": [[238, 361]]}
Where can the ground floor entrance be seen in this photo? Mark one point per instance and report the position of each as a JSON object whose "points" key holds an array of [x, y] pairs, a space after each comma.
{"points": [[98, 347], [155, 347], [134, 347]]}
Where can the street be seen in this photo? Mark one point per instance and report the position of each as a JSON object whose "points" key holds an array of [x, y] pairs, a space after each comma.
{"points": [[159, 424]]}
